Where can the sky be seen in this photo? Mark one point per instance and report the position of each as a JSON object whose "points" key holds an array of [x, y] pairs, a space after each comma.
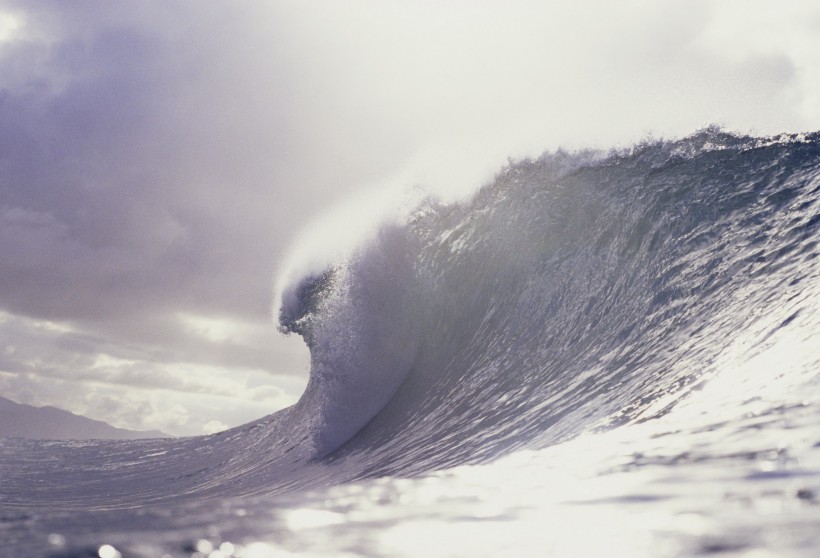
{"points": [[161, 161]]}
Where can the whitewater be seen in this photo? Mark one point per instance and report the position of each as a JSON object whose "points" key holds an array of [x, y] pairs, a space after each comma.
{"points": [[598, 354]]}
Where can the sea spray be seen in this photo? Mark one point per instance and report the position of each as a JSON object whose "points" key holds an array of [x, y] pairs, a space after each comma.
{"points": [[362, 321]]}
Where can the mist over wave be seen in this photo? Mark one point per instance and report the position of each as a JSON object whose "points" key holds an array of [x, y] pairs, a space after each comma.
{"points": [[575, 293]]}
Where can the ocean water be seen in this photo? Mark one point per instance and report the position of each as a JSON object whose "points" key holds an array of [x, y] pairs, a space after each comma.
{"points": [[599, 354]]}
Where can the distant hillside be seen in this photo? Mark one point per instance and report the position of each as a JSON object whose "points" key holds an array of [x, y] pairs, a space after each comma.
{"points": [[50, 423]]}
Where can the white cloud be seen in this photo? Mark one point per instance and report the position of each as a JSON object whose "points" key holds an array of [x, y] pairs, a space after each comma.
{"points": [[48, 363], [214, 426], [10, 26]]}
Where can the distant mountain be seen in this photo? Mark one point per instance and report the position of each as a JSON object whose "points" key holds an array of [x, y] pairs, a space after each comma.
{"points": [[50, 423]]}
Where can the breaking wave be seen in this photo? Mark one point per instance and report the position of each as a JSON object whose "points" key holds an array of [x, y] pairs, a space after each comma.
{"points": [[575, 292]]}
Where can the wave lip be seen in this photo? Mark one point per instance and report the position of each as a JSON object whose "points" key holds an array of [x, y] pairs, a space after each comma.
{"points": [[358, 320]]}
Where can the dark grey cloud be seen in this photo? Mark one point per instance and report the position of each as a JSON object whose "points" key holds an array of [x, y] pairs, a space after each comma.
{"points": [[158, 149], [86, 157], [144, 173]]}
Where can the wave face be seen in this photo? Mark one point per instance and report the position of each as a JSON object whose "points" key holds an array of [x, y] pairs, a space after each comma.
{"points": [[576, 293]]}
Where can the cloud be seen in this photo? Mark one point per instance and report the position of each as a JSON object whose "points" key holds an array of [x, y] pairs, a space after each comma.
{"points": [[157, 159], [180, 404], [50, 363]]}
